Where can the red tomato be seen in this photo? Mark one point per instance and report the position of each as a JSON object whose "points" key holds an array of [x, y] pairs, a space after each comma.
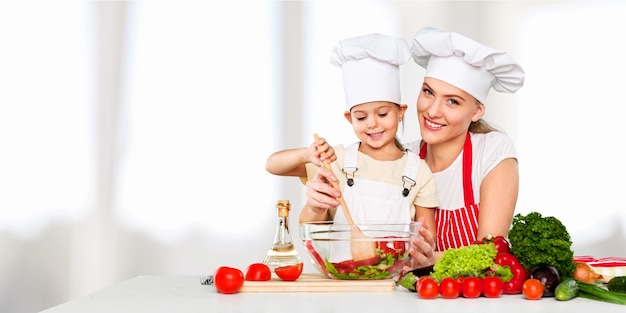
{"points": [[492, 287], [428, 288], [449, 288], [532, 289], [258, 272], [228, 280], [471, 287], [392, 247], [290, 272]]}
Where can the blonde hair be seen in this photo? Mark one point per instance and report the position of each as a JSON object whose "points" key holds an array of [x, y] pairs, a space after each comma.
{"points": [[480, 126]]}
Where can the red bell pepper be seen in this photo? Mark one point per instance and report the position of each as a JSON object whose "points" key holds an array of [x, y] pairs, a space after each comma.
{"points": [[502, 245], [514, 285]]}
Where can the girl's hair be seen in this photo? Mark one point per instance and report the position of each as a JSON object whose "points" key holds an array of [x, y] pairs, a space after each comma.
{"points": [[396, 140]]}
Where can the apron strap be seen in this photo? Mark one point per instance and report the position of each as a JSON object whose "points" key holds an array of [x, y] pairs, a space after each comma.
{"points": [[468, 190], [410, 172], [349, 162]]}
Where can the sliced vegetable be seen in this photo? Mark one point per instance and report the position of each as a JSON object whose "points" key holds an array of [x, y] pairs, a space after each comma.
{"points": [[289, 272], [583, 272], [258, 272], [408, 279], [566, 290]]}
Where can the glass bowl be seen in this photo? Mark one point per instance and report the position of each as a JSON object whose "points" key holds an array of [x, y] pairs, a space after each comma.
{"points": [[368, 251]]}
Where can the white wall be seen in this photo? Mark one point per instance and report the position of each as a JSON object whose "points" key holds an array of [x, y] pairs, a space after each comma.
{"points": [[114, 172]]}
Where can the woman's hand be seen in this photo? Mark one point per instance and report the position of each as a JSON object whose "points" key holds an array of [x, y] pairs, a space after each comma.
{"points": [[320, 194], [422, 249]]}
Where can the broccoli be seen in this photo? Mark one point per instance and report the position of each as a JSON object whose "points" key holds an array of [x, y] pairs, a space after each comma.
{"points": [[536, 239]]}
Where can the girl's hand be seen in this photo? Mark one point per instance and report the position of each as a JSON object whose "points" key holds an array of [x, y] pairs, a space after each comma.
{"points": [[320, 151]]}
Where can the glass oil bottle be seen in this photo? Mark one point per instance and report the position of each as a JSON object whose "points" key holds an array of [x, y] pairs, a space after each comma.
{"points": [[282, 252]]}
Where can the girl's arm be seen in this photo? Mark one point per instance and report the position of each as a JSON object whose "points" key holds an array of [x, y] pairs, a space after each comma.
{"points": [[291, 162], [498, 196]]}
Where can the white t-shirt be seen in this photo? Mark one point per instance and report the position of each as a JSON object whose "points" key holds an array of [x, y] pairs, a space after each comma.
{"points": [[488, 149]]}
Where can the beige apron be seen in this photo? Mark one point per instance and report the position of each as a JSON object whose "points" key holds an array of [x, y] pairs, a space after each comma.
{"points": [[373, 201]]}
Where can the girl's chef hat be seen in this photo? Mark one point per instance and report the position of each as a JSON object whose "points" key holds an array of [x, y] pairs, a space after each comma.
{"points": [[465, 63], [369, 65]]}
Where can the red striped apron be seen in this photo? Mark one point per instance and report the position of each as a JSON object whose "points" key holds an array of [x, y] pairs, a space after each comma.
{"points": [[457, 228]]}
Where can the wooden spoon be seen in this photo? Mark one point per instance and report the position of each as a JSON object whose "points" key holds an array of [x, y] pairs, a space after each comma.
{"points": [[361, 247]]}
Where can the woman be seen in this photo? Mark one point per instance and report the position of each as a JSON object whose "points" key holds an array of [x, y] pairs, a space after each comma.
{"points": [[473, 165]]}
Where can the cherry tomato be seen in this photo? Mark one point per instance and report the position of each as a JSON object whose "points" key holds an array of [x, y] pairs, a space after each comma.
{"points": [[290, 272], [471, 287], [394, 248], [428, 288], [258, 272], [449, 288], [532, 289], [492, 286], [228, 280]]}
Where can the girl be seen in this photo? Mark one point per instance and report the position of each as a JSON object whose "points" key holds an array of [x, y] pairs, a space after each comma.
{"points": [[379, 179]]}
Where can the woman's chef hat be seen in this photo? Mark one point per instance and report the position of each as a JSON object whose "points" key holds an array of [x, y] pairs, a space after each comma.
{"points": [[465, 63], [370, 67]]}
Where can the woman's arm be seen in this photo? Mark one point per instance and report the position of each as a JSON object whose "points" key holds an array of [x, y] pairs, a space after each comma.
{"points": [[498, 197]]}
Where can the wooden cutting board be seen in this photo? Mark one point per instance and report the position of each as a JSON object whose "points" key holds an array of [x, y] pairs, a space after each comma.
{"points": [[317, 283]]}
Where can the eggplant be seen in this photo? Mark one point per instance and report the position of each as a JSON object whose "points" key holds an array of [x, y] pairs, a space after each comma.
{"points": [[548, 275], [422, 271]]}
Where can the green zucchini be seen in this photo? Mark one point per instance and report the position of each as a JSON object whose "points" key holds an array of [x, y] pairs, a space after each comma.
{"points": [[595, 292], [567, 289], [617, 284]]}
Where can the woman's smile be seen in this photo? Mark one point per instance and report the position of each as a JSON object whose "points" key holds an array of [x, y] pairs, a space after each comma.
{"points": [[432, 125]]}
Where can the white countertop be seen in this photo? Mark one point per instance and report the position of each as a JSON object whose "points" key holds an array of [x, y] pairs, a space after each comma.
{"points": [[155, 294]]}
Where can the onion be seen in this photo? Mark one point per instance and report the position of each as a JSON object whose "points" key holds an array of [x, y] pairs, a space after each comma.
{"points": [[585, 273]]}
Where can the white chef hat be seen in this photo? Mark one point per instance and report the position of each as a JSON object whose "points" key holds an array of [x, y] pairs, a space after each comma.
{"points": [[370, 67], [465, 63]]}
